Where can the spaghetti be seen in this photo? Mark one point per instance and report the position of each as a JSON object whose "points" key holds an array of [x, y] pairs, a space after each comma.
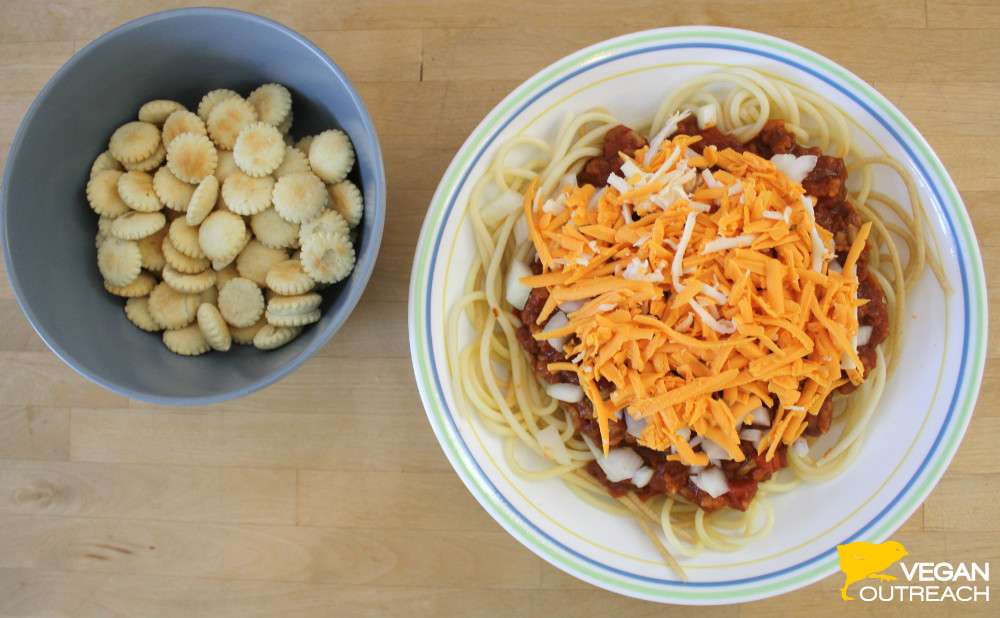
{"points": [[677, 338]]}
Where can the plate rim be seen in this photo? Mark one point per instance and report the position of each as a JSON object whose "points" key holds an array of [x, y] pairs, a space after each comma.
{"points": [[969, 262]]}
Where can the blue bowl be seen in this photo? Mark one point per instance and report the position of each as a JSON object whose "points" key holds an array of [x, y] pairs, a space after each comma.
{"points": [[47, 229]]}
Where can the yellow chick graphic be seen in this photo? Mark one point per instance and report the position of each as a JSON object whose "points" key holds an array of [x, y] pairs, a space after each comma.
{"points": [[859, 560]]}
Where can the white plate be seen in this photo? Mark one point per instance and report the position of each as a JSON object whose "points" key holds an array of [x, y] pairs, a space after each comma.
{"points": [[926, 406]]}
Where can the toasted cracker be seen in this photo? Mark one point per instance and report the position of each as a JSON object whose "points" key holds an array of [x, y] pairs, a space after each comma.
{"points": [[212, 98], [245, 195], [270, 337], [141, 286], [273, 231], [119, 261], [299, 197], [203, 200], [191, 157], [348, 201], [259, 149], [189, 283], [134, 225], [184, 236], [329, 220], [226, 165], [170, 308], [297, 319], [294, 161], [158, 110], [224, 275], [186, 341], [255, 260], [273, 103], [213, 327], [172, 191], [289, 278], [331, 155], [222, 235], [137, 311], [136, 190], [245, 335], [151, 249], [134, 141], [227, 119], [182, 121], [327, 257], [181, 262], [241, 302], [103, 196], [150, 163], [105, 161]]}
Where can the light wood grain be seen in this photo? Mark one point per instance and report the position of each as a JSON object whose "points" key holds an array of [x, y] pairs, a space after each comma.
{"points": [[327, 494]]}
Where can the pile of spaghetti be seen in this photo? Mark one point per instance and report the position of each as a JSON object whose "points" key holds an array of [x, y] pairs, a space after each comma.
{"points": [[672, 320]]}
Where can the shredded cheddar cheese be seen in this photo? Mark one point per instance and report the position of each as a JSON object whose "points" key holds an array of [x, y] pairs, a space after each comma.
{"points": [[704, 296]]}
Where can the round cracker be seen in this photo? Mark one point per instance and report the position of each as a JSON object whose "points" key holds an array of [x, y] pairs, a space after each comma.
{"points": [[227, 119], [212, 98], [331, 155], [170, 308], [203, 200], [288, 278], [134, 225], [185, 264], [184, 236], [327, 257], [186, 341], [134, 141], [270, 337], [213, 327], [158, 110], [294, 161], [347, 200], [150, 163], [182, 121], [226, 165], [241, 302], [256, 259], [245, 195], [103, 196], [141, 286], [119, 261], [259, 149], [172, 191], [222, 235], [273, 231], [297, 319], [245, 335], [299, 197], [136, 189], [151, 249], [191, 157], [189, 283], [105, 161], [273, 103], [137, 311], [329, 220]]}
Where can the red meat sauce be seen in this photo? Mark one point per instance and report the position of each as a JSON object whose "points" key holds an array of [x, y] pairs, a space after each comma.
{"points": [[827, 183]]}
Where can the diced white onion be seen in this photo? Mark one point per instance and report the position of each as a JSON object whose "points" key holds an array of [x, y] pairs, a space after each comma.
{"points": [[761, 416], [521, 230], [557, 321], [552, 445], [569, 306], [752, 435], [620, 464], [713, 450], [570, 393], [712, 481], [516, 292], [642, 477], [634, 426], [864, 334], [708, 115], [800, 447], [796, 168]]}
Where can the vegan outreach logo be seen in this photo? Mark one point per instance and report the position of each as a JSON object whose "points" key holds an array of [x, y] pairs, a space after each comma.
{"points": [[860, 560]]}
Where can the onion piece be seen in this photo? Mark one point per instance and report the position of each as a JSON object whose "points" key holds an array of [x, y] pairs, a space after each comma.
{"points": [[552, 445], [864, 334], [642, 477], [563, 391], [796, 168], [713, 450], [620, 463], [635, 425], [712, 481], [557, 321], [516, 292], [505, 204]]}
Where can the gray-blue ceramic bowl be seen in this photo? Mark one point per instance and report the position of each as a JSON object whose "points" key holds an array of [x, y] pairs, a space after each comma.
{"points": [[48, 230]]}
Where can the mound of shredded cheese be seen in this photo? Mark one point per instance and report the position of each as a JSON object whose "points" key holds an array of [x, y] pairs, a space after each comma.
{"points": [[701, 296]]}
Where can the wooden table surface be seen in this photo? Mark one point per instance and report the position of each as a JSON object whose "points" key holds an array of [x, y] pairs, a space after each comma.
{"points": [[276, 504]]}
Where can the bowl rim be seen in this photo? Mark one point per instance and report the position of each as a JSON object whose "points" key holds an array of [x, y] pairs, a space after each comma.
{"points": [[366, 259]]}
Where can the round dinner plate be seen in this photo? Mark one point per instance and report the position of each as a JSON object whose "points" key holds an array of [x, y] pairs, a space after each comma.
{"points": [[927, 403]]}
